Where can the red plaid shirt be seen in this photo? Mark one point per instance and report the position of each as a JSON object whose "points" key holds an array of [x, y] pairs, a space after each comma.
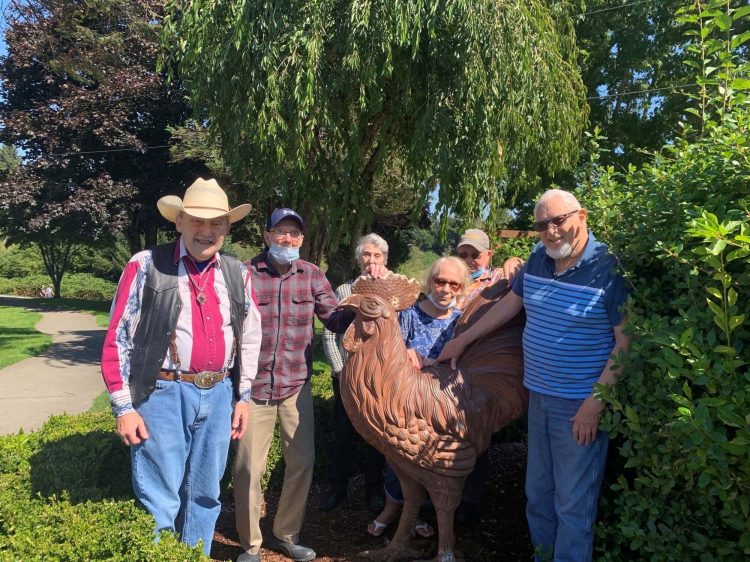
{"points": [[287, 304]]}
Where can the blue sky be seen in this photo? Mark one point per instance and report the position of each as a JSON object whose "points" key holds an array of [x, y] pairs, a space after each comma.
{"points": [[3, 5]]}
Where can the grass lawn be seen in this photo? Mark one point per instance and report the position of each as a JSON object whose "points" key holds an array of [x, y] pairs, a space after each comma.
{"points": [[101, 403], [18, 338]]}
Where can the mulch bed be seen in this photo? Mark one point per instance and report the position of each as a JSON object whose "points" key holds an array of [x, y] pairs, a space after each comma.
{"points": [[339, 535]]}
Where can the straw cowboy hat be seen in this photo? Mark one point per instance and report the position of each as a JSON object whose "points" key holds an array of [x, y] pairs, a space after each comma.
{"points": [[205, 200]]}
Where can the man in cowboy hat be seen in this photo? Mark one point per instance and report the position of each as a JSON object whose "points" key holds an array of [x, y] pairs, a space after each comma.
{"points": [[178, 360], [291, 292]]}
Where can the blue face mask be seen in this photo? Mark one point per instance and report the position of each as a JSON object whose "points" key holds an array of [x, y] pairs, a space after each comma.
{"points": [[282, 254], [478, 273]]}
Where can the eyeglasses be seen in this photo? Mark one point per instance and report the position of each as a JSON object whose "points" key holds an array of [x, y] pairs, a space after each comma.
{"points": [[466, 255], [439, 282], [281, 234], [541, 226]]}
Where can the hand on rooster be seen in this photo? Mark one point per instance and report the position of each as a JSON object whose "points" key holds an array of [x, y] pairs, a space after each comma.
{"points": [[418, 361]]}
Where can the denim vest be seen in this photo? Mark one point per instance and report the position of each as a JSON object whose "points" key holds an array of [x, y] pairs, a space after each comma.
{"points": [[160, 310]]}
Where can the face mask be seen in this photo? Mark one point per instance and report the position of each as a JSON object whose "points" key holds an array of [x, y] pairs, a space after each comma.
{"points": [[451, 304], [282, 254], [478, 273]]}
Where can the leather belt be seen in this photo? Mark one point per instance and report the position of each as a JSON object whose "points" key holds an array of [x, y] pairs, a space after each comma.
{"points": [[203, 380]]}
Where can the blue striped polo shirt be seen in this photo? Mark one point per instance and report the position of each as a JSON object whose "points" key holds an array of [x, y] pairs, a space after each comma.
{"points": [[569, 320]]}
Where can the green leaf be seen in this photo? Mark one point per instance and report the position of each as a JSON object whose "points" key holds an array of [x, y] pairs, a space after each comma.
{"points": [[731, 296], [715, 308], [631, 414], [737, 254], [685, 412], [704, 479], [723, 22], [739, 84], [739, 40], [715, 292], [736, 321], [718, 247]]}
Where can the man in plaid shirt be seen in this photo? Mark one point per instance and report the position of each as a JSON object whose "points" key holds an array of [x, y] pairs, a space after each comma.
{"points": [[290, 292]]}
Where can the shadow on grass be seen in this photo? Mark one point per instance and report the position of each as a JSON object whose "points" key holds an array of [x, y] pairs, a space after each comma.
{"points": [[55, 304]]}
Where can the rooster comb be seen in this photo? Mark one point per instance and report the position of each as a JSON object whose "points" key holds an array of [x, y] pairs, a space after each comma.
{"points": [[399, 290]]}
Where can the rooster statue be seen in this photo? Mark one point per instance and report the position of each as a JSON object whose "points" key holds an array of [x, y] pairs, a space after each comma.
{"points": [[430, 424]]}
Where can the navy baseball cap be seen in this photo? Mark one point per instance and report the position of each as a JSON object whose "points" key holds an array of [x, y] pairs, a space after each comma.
{"points": [[280, 214]]}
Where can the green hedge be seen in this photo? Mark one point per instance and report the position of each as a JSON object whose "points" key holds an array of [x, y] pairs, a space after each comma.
{"points": [[74, 286], [65, 496], [679, 414], [65, 490]]}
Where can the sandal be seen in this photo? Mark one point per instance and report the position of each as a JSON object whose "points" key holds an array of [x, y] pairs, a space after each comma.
{"points": [[424, 529], [376, 528]]}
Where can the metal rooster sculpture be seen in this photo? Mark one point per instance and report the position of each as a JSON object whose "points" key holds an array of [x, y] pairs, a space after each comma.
{"points": [[431, 424]]}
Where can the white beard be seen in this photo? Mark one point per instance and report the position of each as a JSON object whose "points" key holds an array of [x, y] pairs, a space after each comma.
{"points": [[562, 252]]}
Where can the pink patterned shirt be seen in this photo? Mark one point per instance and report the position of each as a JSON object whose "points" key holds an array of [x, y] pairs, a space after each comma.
{"points": [[203, 333]]}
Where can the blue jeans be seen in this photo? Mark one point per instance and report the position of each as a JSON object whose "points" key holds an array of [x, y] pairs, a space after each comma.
{"points": [[177, 470], [563, 480], [392, 485]]}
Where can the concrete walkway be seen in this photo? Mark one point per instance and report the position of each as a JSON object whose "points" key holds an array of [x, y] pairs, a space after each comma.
{"points": [[64, 379]]}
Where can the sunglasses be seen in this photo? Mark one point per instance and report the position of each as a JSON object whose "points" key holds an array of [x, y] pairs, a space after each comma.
{"points": [[541, 226], [439, 282], [466, 255]]}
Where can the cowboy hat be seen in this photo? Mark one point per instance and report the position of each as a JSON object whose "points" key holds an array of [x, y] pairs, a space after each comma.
{"points": [[204, 199]]}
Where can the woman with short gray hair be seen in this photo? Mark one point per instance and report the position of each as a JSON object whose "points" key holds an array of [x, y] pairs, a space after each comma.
{"points": [[371, 249], [371, 239]]}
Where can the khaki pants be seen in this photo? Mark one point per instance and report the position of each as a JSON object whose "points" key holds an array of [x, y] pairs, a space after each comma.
{"points": [[298, 447]]}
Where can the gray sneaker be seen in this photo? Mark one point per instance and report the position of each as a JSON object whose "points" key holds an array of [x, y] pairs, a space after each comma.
{"points": [[247, 557], [296, 552]]}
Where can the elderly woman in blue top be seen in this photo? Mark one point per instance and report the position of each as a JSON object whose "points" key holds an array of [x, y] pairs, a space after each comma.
{"points": [[426, 326], [573, 296]]}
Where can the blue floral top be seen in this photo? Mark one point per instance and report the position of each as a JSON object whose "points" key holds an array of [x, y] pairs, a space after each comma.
{"points": [[425, 334]]}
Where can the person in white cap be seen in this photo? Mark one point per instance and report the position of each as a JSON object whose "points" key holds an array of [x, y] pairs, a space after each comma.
{"points": [[474, 248], [178, 360]]}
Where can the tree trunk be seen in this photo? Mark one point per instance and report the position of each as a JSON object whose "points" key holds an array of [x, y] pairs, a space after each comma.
{"points": [[56, 256]]}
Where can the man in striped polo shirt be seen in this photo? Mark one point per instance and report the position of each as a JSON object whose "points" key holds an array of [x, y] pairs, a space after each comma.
{"points": [[574, 326]]}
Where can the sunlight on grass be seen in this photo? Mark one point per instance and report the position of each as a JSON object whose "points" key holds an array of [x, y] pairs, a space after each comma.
{"points": [[101, 403], [419, 261], [18, 338]]}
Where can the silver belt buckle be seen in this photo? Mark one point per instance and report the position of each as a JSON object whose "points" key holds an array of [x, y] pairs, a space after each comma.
{"points": [[206, 379]]}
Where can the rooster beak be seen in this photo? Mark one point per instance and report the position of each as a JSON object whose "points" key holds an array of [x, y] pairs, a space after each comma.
{"points": [[351, 302]]}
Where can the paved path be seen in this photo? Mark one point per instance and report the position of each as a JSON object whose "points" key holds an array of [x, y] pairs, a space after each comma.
{"points": [[64, 379]]}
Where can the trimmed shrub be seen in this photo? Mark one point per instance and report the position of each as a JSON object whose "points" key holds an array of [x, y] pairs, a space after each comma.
{"points": [[30, 286], [74, 285], [65, 495], [21, 262], [84, 286], [65, 490]]}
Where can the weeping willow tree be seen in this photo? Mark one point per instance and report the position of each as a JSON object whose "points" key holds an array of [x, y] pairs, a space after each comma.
{"points": [[314, 100]]}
